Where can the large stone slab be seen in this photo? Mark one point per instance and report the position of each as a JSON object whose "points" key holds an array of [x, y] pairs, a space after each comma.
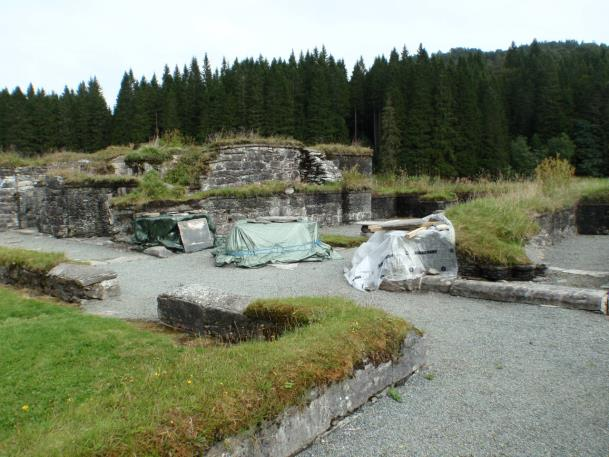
{"points": [[533, 293], [203, 310], [297, 427], [84, 275]]}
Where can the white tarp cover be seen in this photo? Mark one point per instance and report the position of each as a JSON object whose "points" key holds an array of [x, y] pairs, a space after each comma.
{"points": [[390, 256]]}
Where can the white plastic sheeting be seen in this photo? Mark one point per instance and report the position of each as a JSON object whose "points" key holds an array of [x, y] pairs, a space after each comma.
{"points": [[391, 256]]}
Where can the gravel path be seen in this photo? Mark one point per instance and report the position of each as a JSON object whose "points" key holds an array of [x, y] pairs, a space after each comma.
{"points": [[582, 252], [502, 379]]}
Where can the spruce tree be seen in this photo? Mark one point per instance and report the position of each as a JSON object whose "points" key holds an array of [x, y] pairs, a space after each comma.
{"points": [[390, 141]]}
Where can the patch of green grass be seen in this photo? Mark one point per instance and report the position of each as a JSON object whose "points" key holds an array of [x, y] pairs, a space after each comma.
{"points": [[76, 384], [147, 154], [337, 149], [394, 394], [191, 164], [223, 140], [36, 261], [494, 229], [430, 375], [441, 195], [343, 241], [263, 189], [597, 194]]}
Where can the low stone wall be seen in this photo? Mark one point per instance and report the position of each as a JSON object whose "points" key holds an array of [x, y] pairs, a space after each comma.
{"points": [[592, 218], [345, 162], [69, 282], [297, 427], [392, 206], [324, 208]]}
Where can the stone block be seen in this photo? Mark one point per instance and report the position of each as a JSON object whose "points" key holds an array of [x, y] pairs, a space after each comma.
{"points": [[83, 275], [203, 310], [533, 293]]}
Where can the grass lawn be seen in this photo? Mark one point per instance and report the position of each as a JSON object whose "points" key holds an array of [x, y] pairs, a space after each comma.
{"points": [[343, 241], [75, 384]]}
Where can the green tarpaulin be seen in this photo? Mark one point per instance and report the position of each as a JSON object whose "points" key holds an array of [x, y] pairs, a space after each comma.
{"points": [[163, 229], [253, 244]]}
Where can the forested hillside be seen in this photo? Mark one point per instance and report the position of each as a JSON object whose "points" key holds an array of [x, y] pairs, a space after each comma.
{"points": [[461, 113]]}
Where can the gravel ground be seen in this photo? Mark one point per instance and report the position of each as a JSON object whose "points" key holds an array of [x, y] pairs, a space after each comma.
{"points": [[582, 252], [502, 379]]}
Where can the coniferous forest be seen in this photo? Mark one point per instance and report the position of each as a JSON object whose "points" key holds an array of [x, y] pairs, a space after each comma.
{"points": [[461, 113]]}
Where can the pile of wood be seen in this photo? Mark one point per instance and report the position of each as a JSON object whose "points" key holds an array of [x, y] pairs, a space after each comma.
{"points": [[412, 226]]}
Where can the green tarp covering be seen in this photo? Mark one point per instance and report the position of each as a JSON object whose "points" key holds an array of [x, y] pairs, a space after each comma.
{"points": [[253, 244], [163, 229]]}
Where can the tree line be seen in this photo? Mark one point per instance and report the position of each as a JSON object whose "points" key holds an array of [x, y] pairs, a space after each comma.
{"points": [[461, 113]]}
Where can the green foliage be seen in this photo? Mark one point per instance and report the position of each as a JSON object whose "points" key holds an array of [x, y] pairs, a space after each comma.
{"points": [[561, 146], [355, 181], [76, 384], [30, 260], [190, 166], [175, 138], [151, 188], [462, 113], [394, 394], [147, 154], [554, 172], [523, 161], [388, 155]]}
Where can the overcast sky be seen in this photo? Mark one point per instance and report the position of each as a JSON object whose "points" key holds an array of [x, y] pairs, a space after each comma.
{"points": [[52, 43]]}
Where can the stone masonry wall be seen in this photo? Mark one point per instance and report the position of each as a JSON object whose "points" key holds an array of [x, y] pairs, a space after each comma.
{"points": [[68, 211], [246, 164], [326, 209], [363, 164], [18, 200]]}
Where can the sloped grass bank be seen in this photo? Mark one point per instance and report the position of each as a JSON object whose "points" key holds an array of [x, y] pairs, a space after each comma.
{"points": [[495, 229], [40, 262], [77, 384]]}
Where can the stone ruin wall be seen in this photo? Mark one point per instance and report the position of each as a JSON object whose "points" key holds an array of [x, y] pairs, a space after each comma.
{"points": [[325, 208], [19, 203], [247, 164]]}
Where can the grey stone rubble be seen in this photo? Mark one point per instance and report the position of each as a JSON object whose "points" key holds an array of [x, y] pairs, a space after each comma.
{"points": [[158, 251], [521, 292], [297, 427]]}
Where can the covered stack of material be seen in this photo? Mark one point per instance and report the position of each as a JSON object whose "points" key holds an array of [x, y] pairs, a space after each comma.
{"points": [[393, 257], [256, 243]]}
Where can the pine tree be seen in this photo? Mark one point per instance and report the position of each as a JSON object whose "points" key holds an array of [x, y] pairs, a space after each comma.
{"points": [[390, 141]]}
